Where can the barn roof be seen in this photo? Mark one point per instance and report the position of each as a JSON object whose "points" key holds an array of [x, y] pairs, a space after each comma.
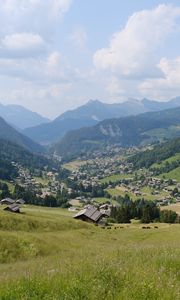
{"points": [[7, 200], [20, 201], [90, 212], [13, 207]]}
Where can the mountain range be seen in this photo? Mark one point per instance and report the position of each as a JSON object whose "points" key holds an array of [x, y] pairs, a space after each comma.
{"points": [[125, 132], [8, 133], [95, 124], [21, 117], [92, 113]]}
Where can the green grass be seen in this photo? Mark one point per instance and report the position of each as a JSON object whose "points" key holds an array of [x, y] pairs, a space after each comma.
{"points": [[71, 259], [74, 165], [169, 160], [115, 178], [175, 207], [75, 203], [101, 200], [10, 185], [104, 200], [174, 174], [117, 192], [42, 180], [145, 193]]}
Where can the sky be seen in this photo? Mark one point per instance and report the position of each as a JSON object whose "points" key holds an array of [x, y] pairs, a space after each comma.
{"points": [[56, 55]]}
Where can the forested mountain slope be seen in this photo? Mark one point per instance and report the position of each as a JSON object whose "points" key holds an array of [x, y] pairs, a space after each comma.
{"points": [[10, 134], [160, 153], [126, 132], [12, 153]]}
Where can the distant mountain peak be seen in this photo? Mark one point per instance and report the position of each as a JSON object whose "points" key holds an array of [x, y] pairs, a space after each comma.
{"points": [[21, 117], [94, 101], [132, 100]]}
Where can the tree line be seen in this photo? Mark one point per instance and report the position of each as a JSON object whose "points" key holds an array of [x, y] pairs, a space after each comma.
{"points": [[143, 210]]}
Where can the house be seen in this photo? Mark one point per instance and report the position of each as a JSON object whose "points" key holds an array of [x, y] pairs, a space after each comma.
{"points": [[105, 209], [89, 214], [7, 201], [20, 201], [15, 208]]}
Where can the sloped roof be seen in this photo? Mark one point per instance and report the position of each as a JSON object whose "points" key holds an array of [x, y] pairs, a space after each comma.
{"points": [[13, 207], [90, 212], [7, 200], [20, 201]]}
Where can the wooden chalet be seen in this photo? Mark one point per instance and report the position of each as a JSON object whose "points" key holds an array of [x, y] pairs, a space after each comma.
{"points": [[20, 201], [7, 201], [15, 208], [89, 214]]}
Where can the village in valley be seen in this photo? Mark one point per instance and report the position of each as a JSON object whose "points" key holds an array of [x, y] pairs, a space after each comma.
{"points": [[100, 181]]}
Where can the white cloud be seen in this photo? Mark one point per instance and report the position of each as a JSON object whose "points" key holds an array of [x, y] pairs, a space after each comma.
{"points": [[22, 41], [132, 51], [18, 5], [45, 99], [79, 37], [54, 8], [54, 63], [26, 69], [114, 87], [166, 87], [50, 69], [37, 16], [59, 7]]}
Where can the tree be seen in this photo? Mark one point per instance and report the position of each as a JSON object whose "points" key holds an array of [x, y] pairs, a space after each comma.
{"points": [[168, 216], [50, 201], [121, 214], [146, 218], [5, 190]]}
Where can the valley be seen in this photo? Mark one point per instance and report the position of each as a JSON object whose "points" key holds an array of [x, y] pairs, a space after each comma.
{"points": [[89, 150], [45, 253], [112, 176]]}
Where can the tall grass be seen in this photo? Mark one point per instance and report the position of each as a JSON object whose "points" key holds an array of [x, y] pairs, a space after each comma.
{"points": [[87, 262]]}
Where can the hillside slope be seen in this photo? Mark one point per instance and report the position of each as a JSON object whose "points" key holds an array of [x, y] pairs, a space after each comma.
{"points": [[163, 154], [46, 254], [126, 132], [10, 152], [92, 113], [8, 133]]}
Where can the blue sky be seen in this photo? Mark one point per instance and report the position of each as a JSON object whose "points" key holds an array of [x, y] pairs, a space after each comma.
{"points": [[57, 54]]}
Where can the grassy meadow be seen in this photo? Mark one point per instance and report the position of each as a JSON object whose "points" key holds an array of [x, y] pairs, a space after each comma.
{"points": [[175, 174], [116, 178], [168, 160], [46, 254], [74, 165], [146, 193], [175, 207]]}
